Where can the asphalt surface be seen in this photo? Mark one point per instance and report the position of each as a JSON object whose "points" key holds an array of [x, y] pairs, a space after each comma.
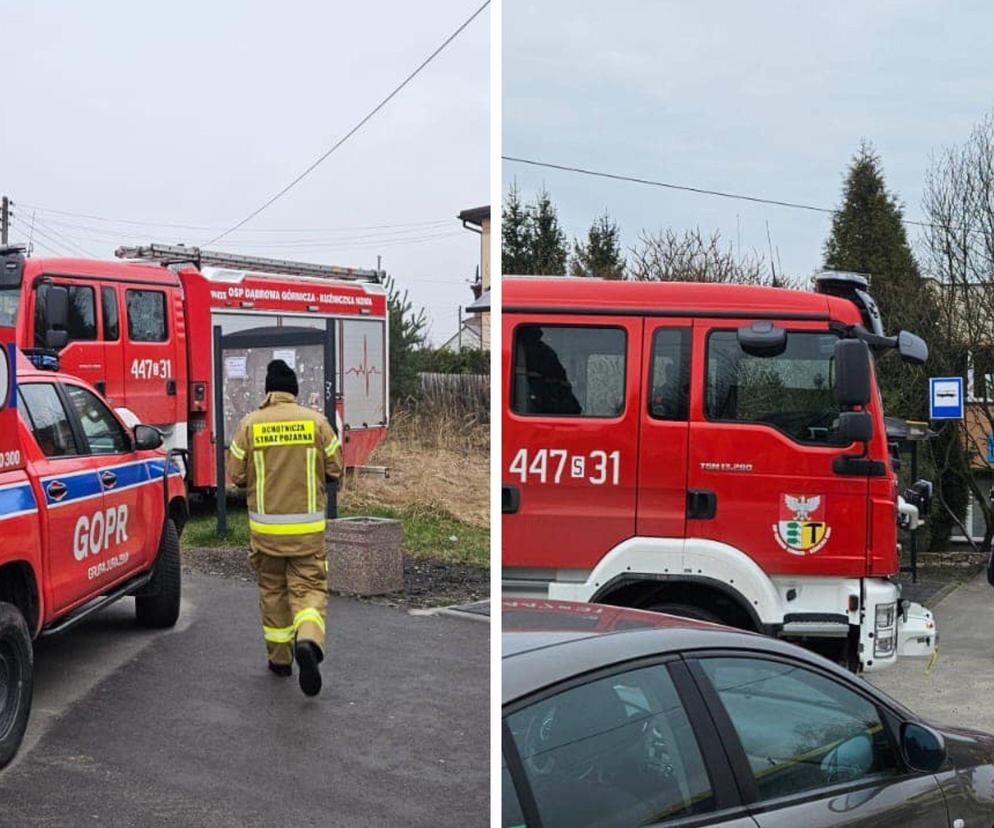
{"points": [[957, 691], [188, 727]]}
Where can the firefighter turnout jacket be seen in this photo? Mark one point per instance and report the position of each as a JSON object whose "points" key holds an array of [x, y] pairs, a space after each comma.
{"points": [[283, 454]]}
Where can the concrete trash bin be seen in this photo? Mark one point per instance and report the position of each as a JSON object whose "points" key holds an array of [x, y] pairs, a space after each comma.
{"points": [[365, 556]]}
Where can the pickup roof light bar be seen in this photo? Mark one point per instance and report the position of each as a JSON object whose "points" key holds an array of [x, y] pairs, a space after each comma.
{"points": [[167, 254]]}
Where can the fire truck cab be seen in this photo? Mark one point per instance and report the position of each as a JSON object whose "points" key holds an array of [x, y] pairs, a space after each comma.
{"points": [[89, 514], [713, 451]]}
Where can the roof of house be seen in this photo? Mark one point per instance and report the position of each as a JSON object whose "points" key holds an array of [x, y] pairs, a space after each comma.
{"points": [[476, 215]]}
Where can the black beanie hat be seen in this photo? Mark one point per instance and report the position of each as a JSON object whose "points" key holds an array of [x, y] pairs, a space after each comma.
{"points": [[280, 377]]}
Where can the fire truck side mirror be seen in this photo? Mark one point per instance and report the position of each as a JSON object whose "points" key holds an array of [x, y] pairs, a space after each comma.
{"points": [[762, 339], [912, 348], [855, 427], [56, 317], [147, 438], [852, 373]]}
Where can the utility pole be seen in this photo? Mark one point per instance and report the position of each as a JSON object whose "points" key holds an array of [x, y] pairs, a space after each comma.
{"points": [[460, 329], [4, 219]]}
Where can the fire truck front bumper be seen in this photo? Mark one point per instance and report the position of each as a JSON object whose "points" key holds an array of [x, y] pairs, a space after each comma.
{"points": [[917, 635]]}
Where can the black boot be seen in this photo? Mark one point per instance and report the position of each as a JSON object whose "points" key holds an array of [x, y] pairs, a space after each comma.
{"points": [[309, 656], [282, 670]]}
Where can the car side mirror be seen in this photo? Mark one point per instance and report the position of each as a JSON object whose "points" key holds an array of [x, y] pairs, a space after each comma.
{"points": [[56, 317], [855, 427], [147, 438], [762, 339], [912, 348], [923, 748], [852, 373]]}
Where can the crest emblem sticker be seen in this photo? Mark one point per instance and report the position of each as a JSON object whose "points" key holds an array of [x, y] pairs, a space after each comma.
{"points": [[802, 529]]}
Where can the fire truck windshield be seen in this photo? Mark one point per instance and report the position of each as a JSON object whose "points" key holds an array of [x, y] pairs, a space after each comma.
{"points": [[10, 300], [11, 272]]}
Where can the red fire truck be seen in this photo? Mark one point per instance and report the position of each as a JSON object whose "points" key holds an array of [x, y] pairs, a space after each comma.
{"points": [[178, 335], [88, 515], [713, 451]]}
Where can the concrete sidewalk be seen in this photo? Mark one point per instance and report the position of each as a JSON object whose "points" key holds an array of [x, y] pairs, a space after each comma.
{"points": [[194, 731], [958, 690]]}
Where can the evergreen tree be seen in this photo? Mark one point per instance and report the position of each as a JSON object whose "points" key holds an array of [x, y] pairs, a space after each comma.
{"points": [[408, 331], [601, 255], [549, 249], [868, 236], [516, 235]]}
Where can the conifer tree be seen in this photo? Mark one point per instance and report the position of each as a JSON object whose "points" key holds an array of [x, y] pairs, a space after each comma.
{"points": [[549, 249], [516, 235], [600, 255]]}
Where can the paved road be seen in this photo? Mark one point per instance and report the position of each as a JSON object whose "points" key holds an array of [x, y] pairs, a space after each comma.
{"points": [[958, 690], [188, 728]]}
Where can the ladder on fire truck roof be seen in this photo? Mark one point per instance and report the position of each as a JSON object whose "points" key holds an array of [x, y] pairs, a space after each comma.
{"points": [[167, 254]]}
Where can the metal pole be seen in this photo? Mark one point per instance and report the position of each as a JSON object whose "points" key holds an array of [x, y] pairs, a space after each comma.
{"points": [[222, 505], [914, 535], [460, 329], [331, 404], [4, 218]]}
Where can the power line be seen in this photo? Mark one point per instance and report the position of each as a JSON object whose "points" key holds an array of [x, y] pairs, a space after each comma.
{"points": [[70, 243], [214, 228], [358, 126], [796, 205], [51, 244]]}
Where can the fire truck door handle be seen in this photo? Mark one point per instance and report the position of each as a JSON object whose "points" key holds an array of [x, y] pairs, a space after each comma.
{"points": [[702, 504], [171, 387], [510, 499]]}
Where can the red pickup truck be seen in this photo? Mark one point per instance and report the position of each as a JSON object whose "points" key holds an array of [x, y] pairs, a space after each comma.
{"points": [[90, 512]]}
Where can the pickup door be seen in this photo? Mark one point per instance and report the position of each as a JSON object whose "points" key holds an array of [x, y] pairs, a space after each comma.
{"points": [[99, 507]]}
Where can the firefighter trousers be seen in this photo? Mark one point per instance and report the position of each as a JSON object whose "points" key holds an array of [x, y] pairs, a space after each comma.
{"points": [[293, 598]]}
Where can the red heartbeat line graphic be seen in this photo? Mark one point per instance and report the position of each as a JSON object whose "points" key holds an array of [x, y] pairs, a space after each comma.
{"points": [[364, 369]]}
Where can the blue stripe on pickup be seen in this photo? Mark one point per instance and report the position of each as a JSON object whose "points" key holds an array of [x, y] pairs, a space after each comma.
{"points": [[77, 486], [155, 468], [17, 499], [130, 475]]}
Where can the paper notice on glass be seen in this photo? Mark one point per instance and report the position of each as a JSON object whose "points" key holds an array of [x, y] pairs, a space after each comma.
{"points": [[236, 367], [289, 356]]}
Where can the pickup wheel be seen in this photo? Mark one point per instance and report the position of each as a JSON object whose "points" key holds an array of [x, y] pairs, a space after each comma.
{"points": [[686, 611], [16, 680], [158, 604]]}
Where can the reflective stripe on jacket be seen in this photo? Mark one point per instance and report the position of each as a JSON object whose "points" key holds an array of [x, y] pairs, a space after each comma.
{"points": [[283, 454]]}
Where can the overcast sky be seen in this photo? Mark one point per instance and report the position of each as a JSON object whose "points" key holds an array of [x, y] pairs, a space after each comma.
{"points": [[760, 98], [196, 112]]}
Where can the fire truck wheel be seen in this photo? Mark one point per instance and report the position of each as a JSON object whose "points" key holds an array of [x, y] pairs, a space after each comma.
{"points": [[686, 611], [159, 606], [16, 680]]}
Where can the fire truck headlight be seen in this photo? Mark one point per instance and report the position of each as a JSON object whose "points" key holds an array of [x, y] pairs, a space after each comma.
{"points": [[885, 616]]}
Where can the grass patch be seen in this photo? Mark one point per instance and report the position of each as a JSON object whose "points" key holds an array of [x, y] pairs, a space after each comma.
{"points": [[428, 532]]}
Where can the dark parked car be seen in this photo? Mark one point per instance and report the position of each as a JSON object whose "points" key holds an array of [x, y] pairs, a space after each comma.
{"points": [[618, 718]]}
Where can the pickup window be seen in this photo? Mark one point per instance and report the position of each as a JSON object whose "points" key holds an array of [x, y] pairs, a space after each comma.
{"points": [[42, 409], [104, 433]]}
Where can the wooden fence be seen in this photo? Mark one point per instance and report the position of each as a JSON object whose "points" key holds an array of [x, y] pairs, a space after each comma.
{"points": [[458, 393]]}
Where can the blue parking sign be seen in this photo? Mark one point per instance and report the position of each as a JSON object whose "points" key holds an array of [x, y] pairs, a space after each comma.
{"points": [[945, 398]]}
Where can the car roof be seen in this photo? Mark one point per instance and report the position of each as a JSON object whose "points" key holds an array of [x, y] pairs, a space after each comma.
{"points": [[559, 294], [546, 642]]}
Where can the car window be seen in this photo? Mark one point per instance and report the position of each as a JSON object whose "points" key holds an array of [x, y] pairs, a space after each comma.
{"points": [[615, 752], [42, 410], [510, 809], [146, 315], [103, 431], [799, 729], [569, 371], [793, 392]]}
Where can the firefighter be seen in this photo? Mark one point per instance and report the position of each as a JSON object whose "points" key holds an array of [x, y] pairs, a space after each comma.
{"points": [[283, 453]]}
